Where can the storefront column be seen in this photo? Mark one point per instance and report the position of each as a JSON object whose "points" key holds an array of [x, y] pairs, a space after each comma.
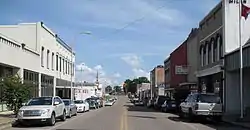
{"points": [[39, 85], [54, 86], [20, 73]]}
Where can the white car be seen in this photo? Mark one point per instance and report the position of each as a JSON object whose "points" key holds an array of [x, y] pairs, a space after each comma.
{"points": [[82, 106], [42, 109], [202, 104], [109, 102]]}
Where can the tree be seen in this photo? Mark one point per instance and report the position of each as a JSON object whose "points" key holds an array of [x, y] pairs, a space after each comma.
{"points": [[117, 88], [15, 92], [131, 85], [108, 89]]}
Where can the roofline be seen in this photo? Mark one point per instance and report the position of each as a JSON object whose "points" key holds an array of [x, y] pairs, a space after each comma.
{"points": [[58, 39], [217, 7]]}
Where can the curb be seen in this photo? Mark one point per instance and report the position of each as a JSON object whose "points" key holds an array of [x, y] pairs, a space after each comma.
{"points": [[236, 124]]}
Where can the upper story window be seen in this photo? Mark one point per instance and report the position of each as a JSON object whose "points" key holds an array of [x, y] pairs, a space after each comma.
{"points": [[209, 53], [220, 47], [66, 67], [52, 61], [215, 50], [60, 62], [57, 62], [63, 65], [201, 55], [205, 55], [47, 59], [42, 57]]}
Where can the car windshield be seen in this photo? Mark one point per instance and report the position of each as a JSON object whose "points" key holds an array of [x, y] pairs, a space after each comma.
{"points": [[209, 98], [40, 101], [78, 101], [66, 102]]}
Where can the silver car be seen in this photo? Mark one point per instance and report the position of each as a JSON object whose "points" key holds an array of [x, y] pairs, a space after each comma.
{"points": [[71, 108]]}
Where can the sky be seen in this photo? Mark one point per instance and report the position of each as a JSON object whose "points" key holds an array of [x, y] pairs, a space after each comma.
{"points": [[128, 37]]}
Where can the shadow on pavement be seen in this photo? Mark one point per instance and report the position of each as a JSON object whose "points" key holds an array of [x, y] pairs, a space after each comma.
{"points": [[209, 123], [139, 108], [146, 117]]}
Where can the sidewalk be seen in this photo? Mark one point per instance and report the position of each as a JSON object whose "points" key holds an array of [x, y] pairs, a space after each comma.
{"points": [[6, 118], [244, 123]]}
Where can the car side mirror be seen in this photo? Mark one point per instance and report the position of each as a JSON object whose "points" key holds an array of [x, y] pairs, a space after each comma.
{"points": [[24, 104], [56, 103]]}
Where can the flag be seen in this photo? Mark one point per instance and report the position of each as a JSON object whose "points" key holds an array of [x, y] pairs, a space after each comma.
{"points": [[245, 11]]}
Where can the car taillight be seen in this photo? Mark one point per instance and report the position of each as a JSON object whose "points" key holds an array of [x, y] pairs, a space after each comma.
{"points": [[196, 107]]}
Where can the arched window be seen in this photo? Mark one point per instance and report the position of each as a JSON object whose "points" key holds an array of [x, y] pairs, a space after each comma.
{"points": [[219, 43], [201, 55], [209, 53], [215, 53], [204, 54]]}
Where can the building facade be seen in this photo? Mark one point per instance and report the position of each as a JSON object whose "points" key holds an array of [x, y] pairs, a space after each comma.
{"points": [[38, 56], [178, 65], [167, 72], [157, 78], [210, 50], [192, 55], [232, 89]]}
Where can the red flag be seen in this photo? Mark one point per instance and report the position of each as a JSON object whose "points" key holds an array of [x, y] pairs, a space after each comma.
{"points": [[245, 11]]}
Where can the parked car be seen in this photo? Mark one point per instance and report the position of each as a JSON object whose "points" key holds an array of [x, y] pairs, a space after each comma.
{"points": [[159, 101], [110, 102], [42, 109], [150, 103], [82, 106], [202, 105], [168, 105], [93, 104], [71, 108]]}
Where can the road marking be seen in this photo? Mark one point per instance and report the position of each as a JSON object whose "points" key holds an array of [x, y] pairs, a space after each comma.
{"points": [[121, 123], [126, 119]]}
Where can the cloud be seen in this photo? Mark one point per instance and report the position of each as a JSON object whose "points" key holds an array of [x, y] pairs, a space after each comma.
{"points": [[117, 75], [140, 72], [135, 62], [86, 73]]}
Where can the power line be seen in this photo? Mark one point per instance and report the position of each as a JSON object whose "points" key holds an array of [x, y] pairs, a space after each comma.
{"points": [[133, 22]]}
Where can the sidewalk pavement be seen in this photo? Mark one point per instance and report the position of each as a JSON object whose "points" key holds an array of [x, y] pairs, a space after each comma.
{"points": [[244, 123], [6, 118]]}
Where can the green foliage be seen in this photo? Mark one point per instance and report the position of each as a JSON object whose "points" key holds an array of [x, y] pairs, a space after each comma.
{"points": [[108, 89], [131, 85], [117, 88], [15, 92]]}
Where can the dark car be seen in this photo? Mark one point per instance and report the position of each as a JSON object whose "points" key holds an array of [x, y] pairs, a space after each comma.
{"points": [[168, 105], [159, 101], [93, 104]]}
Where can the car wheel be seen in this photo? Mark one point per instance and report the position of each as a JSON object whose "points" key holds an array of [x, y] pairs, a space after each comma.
{"points": [[70, 113], [83, 109], [63, 117], [52, 120]]}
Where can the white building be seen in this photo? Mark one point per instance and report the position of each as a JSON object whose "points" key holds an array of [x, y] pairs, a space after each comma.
{"points": [[37, 55], [87, 90]]}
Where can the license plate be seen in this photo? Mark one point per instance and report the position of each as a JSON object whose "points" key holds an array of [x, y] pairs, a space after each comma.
{"points": [[173, 105]]}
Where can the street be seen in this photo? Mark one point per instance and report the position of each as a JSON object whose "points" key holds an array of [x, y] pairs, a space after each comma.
{"points": [[123, 115]]}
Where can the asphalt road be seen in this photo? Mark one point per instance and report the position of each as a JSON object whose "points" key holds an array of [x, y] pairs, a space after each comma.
{"points": [[125, 116]]}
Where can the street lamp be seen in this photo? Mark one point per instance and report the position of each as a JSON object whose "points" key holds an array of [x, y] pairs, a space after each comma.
{"points": [[72, 65]]}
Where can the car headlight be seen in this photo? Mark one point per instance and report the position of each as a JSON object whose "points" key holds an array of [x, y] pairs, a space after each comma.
{"points": [[20, 112], [45, 111]]}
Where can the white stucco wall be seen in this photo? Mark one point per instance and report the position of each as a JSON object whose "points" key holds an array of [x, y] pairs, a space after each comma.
{"points": [[34, 36], [16, 56]]}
